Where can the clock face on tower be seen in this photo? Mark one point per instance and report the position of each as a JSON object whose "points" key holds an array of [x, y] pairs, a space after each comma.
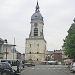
{"points": [[35, 24]]}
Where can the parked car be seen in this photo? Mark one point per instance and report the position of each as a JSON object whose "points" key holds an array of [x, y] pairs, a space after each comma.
{"points": [[14, 63], [6, 68], [52, 62], [29, 64], [72, 67]]}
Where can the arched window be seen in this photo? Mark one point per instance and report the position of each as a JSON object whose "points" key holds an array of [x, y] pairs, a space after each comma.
{"points": [[35, 31]]}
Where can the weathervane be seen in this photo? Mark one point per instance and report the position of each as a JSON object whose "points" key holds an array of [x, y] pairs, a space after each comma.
{"points": [[37, 7]]}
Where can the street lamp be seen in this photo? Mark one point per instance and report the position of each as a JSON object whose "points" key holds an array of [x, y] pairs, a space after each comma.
{"points": [[6, 47], [14, 48]]}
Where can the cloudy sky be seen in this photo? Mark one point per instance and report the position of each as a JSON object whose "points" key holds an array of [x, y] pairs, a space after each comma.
{"points": [[15, 17]]}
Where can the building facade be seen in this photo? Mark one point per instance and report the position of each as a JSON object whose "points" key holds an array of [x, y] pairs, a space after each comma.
{"points": [[57, 55], [36, 44], [8, 51], [48, 55], [11, 53], [1, 48]]}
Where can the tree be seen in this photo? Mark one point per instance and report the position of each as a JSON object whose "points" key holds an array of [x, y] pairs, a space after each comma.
{"points": [[69, 42]]}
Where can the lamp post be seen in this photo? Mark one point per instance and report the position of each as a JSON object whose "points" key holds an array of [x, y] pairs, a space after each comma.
{"points": [[6, 48], [14, 48]]}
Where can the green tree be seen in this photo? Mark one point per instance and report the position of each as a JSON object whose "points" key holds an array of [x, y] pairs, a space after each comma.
{"points": [[69, 42]]}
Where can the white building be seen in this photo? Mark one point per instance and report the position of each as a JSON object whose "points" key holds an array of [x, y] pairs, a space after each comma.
{"points": [[36, 44], [10, 53], [1, 48]]}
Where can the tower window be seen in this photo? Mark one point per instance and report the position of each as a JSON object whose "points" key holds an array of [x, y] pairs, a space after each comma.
{"points": [[35, 16], [0, 48], [35, 31], [37, 59], [35, 25], [37, 52], [38, 45], [30, 45], [29, 52]]}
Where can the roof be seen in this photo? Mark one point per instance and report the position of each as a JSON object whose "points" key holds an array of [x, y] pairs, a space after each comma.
{"points": [[49, 52], [37, 15], [57, 51]]}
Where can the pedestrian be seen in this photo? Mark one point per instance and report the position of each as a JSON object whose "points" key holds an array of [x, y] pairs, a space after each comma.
{"points": [[23, 64], [18, 63]]}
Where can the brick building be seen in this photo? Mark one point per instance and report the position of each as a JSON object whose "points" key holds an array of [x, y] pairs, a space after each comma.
{"points": [[57, 55]]}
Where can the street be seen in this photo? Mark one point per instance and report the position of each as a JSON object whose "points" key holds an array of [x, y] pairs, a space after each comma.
{"points": [[47, 70]]}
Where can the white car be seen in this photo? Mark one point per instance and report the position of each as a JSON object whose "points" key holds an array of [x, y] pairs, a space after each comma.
{"points": [[72, 67]]}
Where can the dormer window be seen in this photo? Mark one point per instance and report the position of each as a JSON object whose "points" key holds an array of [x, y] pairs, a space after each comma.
{"points": [[35, 16], [35, 25]]}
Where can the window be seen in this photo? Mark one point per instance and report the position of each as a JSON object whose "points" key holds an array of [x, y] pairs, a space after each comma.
{"points": [[37, 52], [37, 59], [35, 25], [29, 52], [35, 16], [38, 45], [30, 45], [35, 31], [0, 47]]}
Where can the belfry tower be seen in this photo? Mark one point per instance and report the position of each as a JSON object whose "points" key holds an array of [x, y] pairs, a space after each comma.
{"points": [[36, 45]]}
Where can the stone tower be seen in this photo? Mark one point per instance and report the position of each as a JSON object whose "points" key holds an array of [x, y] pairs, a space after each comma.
{"points": [[36, 45]]}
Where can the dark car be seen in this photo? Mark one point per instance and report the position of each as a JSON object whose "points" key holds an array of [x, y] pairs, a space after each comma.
{"points": [[5, 67]]}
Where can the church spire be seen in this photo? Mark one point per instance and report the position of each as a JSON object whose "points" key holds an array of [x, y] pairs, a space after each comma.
{"points": [[37, 7]]}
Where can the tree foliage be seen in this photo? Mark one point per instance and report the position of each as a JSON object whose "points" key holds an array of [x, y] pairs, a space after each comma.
{"points": [[69, 42]]}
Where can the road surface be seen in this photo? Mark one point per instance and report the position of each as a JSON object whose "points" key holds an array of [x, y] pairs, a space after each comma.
{"points": [[47, 70]]}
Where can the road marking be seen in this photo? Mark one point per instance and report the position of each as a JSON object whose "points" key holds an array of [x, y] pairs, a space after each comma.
{"points": [[38, 68], [49, 68], [53, 68], [43, 68], [33, 68]]}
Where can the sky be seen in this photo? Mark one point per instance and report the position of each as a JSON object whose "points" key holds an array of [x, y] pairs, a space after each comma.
{"points": [[15, 18]]}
